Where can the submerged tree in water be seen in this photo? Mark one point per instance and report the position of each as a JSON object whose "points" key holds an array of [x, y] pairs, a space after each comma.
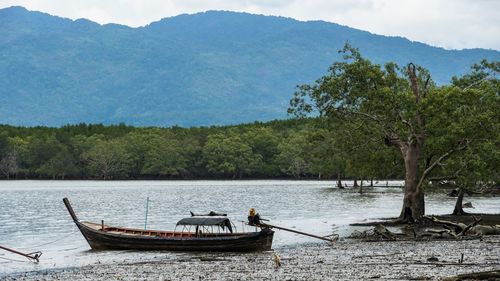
{"points": [[402, 108]]}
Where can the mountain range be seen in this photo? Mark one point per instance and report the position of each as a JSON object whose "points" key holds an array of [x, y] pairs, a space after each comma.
{"points": [[210, 68]]}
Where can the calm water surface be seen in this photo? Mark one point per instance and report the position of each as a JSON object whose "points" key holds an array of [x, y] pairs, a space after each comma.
{"points": [[33, 217]]}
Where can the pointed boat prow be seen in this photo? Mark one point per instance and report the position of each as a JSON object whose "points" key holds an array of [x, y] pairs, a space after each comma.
{"points": [[70, 209]]}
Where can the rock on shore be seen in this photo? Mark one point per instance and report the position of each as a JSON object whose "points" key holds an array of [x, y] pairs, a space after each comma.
{"points": [[344, 260]]}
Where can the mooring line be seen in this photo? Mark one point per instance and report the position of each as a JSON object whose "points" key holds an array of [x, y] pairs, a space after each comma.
{"points": [[51, 242], [7, 259]]}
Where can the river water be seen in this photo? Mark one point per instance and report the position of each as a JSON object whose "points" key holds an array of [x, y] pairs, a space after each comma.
{"points": [[33, 216]]}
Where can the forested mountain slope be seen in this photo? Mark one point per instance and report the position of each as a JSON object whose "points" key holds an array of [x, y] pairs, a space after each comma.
{"points": [[209, 68]]}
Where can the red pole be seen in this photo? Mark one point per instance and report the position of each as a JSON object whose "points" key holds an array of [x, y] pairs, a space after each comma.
{"points": [[32, 256]]}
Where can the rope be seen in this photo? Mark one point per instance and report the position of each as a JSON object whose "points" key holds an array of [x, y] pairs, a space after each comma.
{"points": [[38, 246], [7, 259], [51, 242]]}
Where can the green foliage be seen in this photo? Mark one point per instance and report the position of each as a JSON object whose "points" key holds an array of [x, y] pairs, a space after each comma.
{"points": [[61, 165], [230, 155], [475, 99], [426, 124], [13, 150], [165, 157], [294, 156], [264, 142], [107, 159], [40, 150], [4, 143]]}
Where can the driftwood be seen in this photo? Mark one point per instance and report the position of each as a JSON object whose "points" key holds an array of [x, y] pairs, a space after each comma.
{"points": [[438, 233], [384, 232], [461, 229], [378, 233], [467, 205], [484, 275], [433, 228]]}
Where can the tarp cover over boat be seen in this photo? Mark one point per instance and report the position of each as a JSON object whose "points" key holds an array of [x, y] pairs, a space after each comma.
{"points": [[218, 221]]}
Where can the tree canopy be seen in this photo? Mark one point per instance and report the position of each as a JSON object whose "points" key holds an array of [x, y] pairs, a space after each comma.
{"points": [[402, 108]]}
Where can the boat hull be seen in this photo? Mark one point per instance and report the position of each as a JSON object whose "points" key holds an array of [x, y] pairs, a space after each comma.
{"points": [[244, 242]]}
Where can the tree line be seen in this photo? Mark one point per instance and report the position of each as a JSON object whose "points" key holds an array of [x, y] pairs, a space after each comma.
{"points": [[300, 148]]}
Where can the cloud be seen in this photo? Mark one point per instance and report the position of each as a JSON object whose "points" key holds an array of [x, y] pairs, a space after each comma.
{"points": [[447, 23]]}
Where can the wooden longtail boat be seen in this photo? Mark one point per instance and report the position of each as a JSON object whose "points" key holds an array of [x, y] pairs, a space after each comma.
{"points": [[105, 237]]}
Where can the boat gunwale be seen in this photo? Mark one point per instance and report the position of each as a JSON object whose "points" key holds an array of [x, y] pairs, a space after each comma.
{"points": [[224, 236]]}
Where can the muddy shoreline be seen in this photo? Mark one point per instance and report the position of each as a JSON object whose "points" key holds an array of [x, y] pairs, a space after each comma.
{"points": [[488, 219], [345, 260]]}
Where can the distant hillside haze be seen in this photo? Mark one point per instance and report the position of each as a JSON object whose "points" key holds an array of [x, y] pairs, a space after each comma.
{"points": [[212, 68]]}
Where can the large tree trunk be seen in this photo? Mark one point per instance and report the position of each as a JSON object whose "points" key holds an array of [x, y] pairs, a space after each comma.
{"points": [[458, 205], [413, 202], [355, 183]]}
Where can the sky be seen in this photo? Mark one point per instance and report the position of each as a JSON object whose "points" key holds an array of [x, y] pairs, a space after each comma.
{"points": [[451, 24]]}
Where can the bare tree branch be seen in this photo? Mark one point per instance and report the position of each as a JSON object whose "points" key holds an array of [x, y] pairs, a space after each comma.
{"points": [[414, 82], [406, 122], [390, 134], [438, 162], [477, 82], [442, 178]]}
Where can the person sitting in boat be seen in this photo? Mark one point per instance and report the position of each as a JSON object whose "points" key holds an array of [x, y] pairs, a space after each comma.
{"points": [[253, 218]]}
